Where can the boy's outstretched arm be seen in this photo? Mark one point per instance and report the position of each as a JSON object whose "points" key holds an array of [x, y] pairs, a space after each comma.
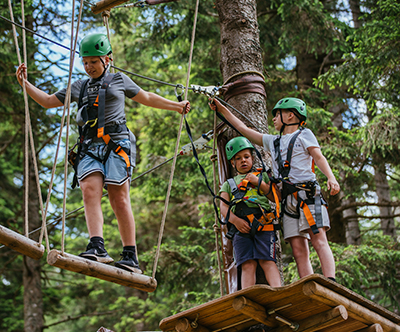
{"points": [[247, 132], [323, 165]]}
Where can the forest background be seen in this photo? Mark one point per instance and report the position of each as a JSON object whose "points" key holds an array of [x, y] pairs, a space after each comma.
{"points": [[341, 57]]}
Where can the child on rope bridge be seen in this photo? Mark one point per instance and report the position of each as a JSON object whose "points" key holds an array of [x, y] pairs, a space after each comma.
{"points": [[250, 219], [304, 211], [106, 149]]}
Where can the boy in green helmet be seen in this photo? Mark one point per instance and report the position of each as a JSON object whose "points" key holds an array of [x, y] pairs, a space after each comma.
{"points": [[107, 150], [251, 215], [304, 213]]}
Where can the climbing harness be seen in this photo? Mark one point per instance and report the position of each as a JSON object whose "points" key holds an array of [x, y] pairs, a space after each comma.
{"points": [[312, 188], [92, 124], [259, 218]]}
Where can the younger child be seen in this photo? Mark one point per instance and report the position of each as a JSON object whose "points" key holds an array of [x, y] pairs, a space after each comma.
{"points": [[304, 216], [252, 216]]}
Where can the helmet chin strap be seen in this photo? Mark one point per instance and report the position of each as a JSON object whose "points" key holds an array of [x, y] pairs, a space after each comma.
{"points": [[301, 123]]}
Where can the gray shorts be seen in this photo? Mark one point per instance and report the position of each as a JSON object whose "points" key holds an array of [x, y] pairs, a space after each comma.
{"points": [[299, 227], [114, 170]]}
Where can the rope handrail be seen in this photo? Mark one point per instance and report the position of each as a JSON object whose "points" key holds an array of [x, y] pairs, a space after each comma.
{"points": [[176, 146]]}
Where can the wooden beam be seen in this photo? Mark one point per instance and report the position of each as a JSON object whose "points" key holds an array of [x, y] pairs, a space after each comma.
{"points": [[372, 328], [21, 243], [103, 5], [355, 310], [319, 321], [184, 325], [253, 310], [101, 271]]}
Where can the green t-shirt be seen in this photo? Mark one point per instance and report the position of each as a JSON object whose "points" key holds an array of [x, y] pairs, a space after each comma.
{"points": [[251, 194]]}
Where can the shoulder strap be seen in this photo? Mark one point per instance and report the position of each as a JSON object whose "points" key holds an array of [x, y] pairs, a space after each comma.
{"points": [[83, 93], [284, 166], [102, 104]]}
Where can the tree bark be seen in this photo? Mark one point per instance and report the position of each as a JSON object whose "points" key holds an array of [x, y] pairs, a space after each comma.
{"points": [[241, 51], [33, 301], [383, 193]]}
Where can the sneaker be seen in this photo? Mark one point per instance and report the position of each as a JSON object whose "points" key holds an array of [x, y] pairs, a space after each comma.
{"points": [[128, 262], [96, 253]]}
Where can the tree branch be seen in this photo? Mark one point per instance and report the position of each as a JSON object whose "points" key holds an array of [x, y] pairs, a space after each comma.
{"points": [[360, 204], [69, 318]]}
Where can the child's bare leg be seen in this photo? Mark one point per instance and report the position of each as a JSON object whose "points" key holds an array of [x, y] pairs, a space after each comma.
{"points": [[92, 190], [271, 273], [301, 255], [321, 246], [121, 205], [249, 273]]}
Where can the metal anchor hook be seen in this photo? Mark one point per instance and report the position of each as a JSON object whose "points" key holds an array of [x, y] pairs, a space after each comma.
{"points": [[182, 89]]}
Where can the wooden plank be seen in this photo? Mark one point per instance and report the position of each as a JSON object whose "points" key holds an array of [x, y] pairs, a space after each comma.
{"points": [[183, 325], [253, 310], [103, 5], [318, 321], [101, 271], [290, 302], [21, 243], [372, 328], [357, 311]]}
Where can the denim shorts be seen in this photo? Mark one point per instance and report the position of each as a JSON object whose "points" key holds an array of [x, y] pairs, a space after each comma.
{"points": [[114, 170], [262, 246]]}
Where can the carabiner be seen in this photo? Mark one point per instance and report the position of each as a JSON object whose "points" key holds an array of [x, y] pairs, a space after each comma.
{"points": [[179, 95]]}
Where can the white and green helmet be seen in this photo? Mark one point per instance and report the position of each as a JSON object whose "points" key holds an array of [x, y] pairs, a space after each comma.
{"points": [[292, 103]]}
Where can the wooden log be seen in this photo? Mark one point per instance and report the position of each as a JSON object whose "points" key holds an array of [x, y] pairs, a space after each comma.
{"points": [[184, 325], [101, 271], [253, 310], [319, 321], [103, 5], [21, 243], [372, 328], [355, 310]]}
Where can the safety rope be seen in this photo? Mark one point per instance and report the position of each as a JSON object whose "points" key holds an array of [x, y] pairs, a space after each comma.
{"points": [[106, 15], [216, 227], [28, 127], [67, 104], [176, 146]]}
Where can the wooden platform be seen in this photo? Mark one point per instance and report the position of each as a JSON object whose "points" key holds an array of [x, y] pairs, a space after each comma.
{"points": [[314, 303]]}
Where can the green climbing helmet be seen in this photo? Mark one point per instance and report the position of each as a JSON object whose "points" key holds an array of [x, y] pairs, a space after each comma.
{"points": [[237, 144], [295, 103], [96, 44]]}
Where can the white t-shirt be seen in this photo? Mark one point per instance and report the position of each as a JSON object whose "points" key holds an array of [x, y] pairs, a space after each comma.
{"points": [[301, 163]]}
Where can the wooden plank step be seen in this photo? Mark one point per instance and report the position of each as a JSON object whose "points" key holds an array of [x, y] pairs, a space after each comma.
{"points": [[21, 243], [102, 271]]}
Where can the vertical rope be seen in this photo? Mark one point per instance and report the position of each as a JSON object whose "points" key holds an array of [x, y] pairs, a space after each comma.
{"points": [[106, 15], [217, 229], [26, 150], [160, 235], [67, 104]]}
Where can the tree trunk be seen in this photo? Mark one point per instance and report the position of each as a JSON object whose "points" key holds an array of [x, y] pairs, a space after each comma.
{"points": [[241, 51], [383, 193], [33, 301]]}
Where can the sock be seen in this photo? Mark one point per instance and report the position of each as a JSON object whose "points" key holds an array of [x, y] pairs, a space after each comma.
{"points": [[98, 241], [132, 249]]}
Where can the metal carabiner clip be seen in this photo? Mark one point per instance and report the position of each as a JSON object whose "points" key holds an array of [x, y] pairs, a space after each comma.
{"points": [[179, 95]]}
